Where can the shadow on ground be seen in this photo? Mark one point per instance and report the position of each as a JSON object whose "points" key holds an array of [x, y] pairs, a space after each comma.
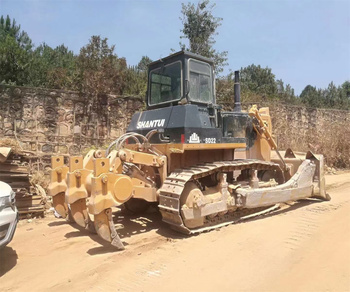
{"points": [[57, 222], [8, 259], [128, 225], [286, 208]]}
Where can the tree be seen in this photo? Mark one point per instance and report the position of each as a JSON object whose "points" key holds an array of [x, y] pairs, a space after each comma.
{"points": [[13, 62], [62, 71], [136, 78], [289, 93], [100, 69], [310, 96], [257, 84], [260, 81], [345, 87], [285, 93], [331, 96], [225, 89], [344, 95], [53, 68], [143, 64], [10, 28], [15, 49], [200, 27]]}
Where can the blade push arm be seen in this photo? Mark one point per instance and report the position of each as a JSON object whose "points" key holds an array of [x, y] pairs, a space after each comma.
{"points": [[262, 129]]}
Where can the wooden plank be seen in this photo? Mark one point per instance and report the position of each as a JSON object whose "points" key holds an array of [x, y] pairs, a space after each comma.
{"points": [[29, 198], [28, 204], [34, 203], [13, 168], [4, 153], [31, 209], [10, 179], [20, 184], [14, 175]]}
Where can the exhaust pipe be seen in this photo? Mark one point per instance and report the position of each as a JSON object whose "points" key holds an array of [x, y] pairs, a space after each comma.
{"points": [[237, 94]]}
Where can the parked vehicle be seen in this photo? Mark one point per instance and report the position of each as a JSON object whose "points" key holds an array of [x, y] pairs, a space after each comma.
{"points": [[8, 214], [204, 167]]}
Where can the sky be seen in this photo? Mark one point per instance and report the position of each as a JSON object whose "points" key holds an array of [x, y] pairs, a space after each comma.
{"points": [[302, 41]]}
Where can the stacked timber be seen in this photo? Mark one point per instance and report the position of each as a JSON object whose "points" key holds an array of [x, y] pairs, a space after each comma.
{"points": [[15, 170]]}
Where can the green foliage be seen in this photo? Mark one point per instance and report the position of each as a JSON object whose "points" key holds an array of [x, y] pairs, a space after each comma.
{"points": [[136, 78], [52, 68], [15, 47], [135, 82], [224, 89], [311, 96], [200, 27], [258, 80], [10, 28], [100, 71], [13, 62], [143, 64], [331, 97], [285, 93], [346, 89], [257, 84]]}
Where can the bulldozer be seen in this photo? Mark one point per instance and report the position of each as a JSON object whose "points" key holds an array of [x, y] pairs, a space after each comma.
{"points": [[204, 167]]}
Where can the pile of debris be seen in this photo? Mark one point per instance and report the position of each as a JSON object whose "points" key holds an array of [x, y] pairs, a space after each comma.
{"points": [[330, 170], [15, 170]]}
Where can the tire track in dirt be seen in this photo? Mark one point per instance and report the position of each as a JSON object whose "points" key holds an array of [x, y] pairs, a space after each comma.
{"points": [[292, 248], [309, 219]]}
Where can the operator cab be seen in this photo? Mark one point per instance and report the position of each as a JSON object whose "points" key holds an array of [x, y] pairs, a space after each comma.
{"points": [[181, 105], [181, 78]]}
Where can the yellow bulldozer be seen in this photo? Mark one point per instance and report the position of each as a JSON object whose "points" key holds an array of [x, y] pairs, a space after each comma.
{"points": [[204, 167]]}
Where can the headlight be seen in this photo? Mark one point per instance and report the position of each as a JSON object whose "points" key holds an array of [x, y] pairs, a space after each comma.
{"points": [[5, 202]]}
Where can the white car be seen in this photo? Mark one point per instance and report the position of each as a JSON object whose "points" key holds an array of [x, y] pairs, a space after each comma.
{"points": [[8, 214]]}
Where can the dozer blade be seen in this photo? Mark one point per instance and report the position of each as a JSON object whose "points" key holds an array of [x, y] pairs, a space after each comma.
{"points": [[319, 180], [300, 186], [105, 228], [295, 159]]}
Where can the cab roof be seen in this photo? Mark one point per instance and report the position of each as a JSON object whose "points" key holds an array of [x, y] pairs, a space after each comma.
{"points": [[183, 54]]}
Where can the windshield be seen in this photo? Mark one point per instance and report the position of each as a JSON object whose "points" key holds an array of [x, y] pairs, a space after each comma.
{"points": [[201, 87], [165, 84]]}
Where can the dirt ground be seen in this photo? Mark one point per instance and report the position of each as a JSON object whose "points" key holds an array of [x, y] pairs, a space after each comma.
{"points": [[302, 247]]}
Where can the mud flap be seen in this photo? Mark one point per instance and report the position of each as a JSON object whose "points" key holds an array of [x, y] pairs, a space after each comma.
{"points": [[105, 228]]}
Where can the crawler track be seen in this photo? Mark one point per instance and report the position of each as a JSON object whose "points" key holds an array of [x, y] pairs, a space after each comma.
{"points": [[173, 187]]}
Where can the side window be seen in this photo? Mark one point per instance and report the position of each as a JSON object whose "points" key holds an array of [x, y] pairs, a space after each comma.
{"points": [[165, 83], [201, 87]]}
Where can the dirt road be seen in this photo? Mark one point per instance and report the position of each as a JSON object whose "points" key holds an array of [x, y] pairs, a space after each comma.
{"points": [[302, 247]]}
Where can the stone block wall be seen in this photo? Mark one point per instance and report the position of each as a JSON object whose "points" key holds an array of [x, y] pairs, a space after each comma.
{"points": [[323, 131], [48, 121]]}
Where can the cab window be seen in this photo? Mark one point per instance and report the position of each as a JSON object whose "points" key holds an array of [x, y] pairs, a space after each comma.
{"points": [[165, 84], [201, 87]]}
